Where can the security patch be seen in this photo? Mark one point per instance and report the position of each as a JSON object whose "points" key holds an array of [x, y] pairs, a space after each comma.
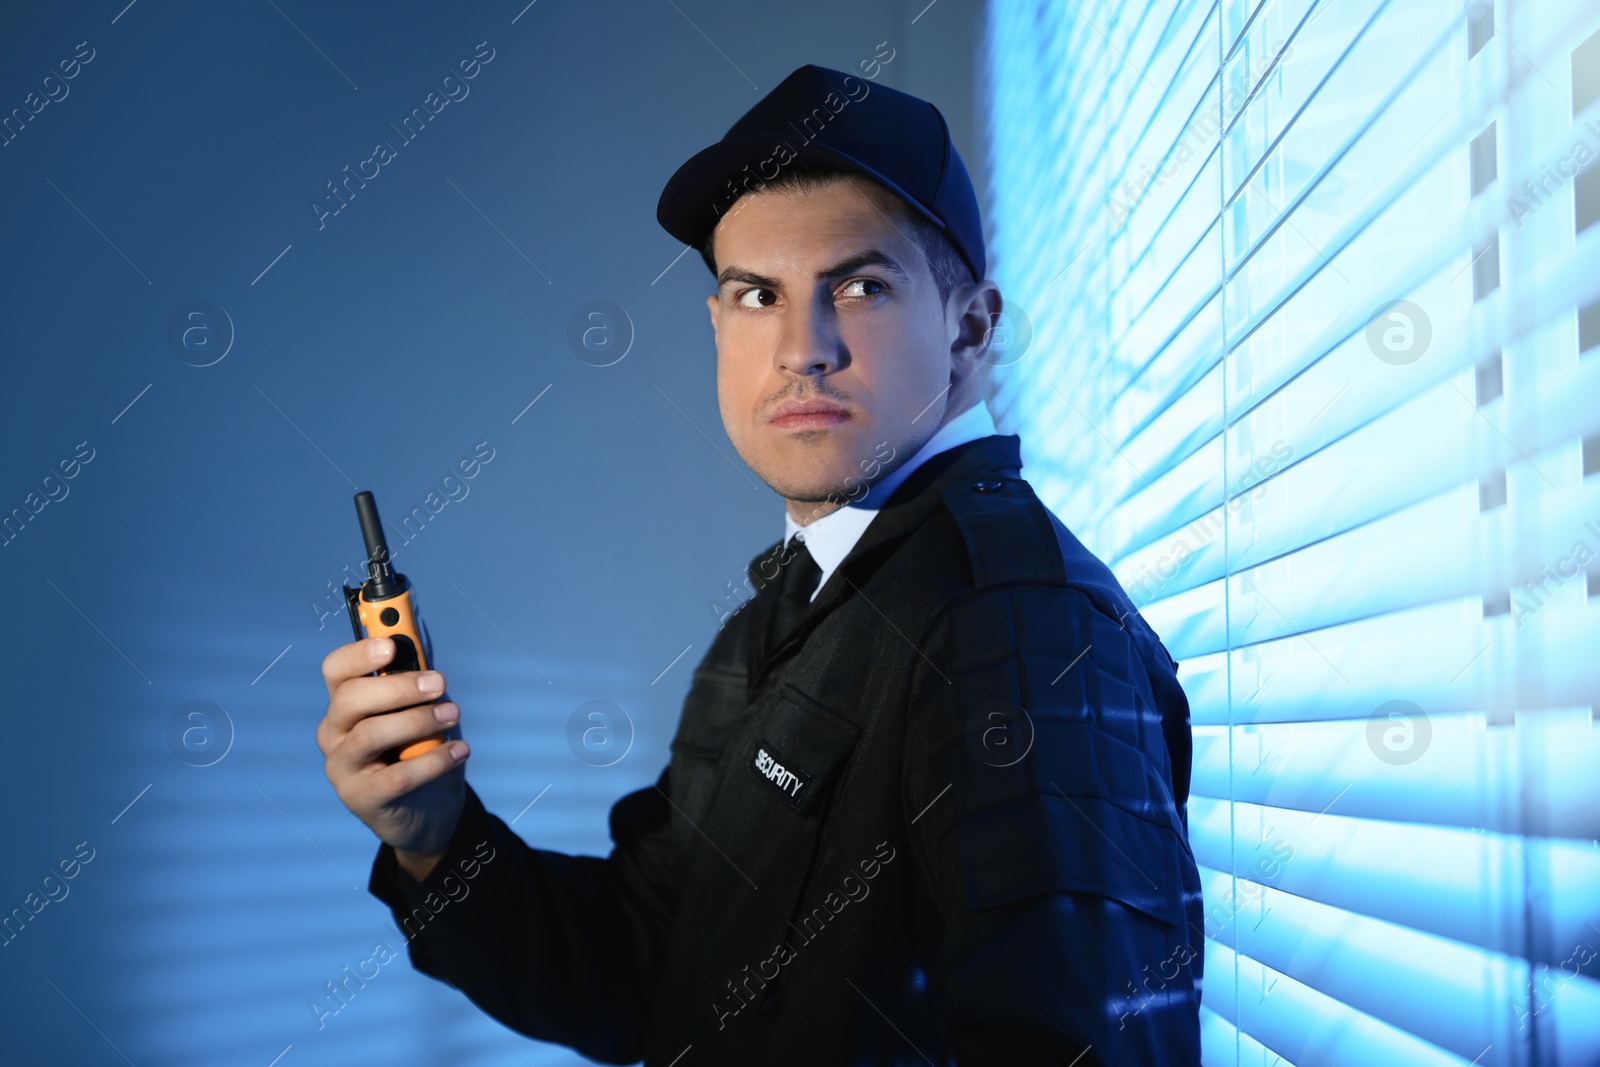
{"points": [[790, 781]]}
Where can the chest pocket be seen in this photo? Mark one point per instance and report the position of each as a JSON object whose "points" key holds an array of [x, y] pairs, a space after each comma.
{"points": [[777, 771], [796, 750], [779, 775]]}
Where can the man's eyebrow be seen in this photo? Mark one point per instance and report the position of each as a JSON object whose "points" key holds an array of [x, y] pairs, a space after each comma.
{"points": [[872, 257]]}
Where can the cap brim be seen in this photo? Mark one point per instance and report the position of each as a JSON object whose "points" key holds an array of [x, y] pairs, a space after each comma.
{"points": [[687, 208]]}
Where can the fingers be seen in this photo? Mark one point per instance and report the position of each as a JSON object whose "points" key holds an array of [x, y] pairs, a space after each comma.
{"points": [[357, 698], [370, 738], [398, 779], [355, 659]]}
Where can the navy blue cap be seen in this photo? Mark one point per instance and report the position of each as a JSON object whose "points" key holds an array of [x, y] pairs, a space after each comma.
{"points": [[818, 115]]}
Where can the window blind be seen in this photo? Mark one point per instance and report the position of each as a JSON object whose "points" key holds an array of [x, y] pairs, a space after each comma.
{"points": [[1303, 339]]}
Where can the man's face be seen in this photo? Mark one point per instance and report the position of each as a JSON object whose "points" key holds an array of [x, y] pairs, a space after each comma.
{"points": [[824, 304]]}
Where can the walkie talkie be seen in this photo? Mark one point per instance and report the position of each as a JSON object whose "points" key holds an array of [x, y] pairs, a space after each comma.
{"points": [[384, 607]]}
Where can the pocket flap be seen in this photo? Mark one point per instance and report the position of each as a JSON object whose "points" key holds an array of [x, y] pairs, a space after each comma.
{"points": [[797, 746]]}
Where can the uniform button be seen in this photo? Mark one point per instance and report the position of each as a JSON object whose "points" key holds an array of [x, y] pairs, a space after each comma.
{"points": [[986, 487]]}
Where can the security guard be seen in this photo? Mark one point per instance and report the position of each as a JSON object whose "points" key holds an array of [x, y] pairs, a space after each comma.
{"points": [[926, 800]]}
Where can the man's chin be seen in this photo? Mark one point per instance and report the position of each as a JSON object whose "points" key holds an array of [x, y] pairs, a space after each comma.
{"points": [[819, 468]]}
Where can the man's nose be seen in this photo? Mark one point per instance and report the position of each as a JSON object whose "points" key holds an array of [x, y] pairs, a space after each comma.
{"points": [[809, 342]]}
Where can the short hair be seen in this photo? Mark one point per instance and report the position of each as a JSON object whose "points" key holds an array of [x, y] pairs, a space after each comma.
{"points": [[946, 264]]}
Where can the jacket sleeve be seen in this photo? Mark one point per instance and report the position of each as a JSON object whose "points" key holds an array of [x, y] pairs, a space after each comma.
{"points": [[560, 948], [1044, 825]]}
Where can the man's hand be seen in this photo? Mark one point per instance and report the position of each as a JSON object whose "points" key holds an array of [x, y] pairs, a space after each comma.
{"points": [[414, 804]]}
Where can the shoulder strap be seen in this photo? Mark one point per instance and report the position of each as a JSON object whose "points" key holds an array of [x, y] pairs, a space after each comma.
{"points": [[1007, 531], [1011, 537]]}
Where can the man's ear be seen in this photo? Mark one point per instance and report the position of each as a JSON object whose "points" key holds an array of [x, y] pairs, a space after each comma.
{"points": [[711, 306], [971, 317]]}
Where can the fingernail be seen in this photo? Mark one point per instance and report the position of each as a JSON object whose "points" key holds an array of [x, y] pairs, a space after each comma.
{"points": [[380, 648], [458, 750], [430, 682], [446, 712]]}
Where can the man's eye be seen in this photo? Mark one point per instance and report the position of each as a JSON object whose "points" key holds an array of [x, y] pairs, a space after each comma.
{"points": [[848, 288], [764, 298]]}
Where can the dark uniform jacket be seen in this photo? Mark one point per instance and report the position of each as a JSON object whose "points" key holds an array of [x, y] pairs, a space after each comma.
{"points": [[943, 822]]}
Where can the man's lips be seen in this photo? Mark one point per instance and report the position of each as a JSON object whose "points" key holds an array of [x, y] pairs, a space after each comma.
{"points": [[808, 415]]}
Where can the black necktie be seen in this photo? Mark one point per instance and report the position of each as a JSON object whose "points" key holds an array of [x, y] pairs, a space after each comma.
{"points": [[797, 580]]}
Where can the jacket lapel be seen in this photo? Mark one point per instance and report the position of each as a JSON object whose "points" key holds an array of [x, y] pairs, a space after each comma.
{"points": [[906, 509]]}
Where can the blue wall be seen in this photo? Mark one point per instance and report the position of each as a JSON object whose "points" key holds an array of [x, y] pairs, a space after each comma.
{"points": [[189, 556]]}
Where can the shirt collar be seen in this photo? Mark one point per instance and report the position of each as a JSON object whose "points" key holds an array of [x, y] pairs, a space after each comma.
{"points": [[831, 537]]}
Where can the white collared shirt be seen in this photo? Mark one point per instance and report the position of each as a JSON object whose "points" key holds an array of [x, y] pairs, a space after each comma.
{"points": [[831, 537]]}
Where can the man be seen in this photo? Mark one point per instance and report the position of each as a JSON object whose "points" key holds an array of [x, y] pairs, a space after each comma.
{"points": [[926, 797]]}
